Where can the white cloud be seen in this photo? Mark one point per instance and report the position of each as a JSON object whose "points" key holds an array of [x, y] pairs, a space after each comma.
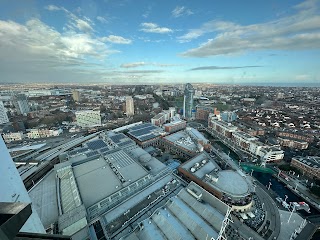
{"points": [[75, 22], [154, 28], [52, 8], [116, 39], [141, 64], [102, 19], [180, 11], [83, 26], [37, 52], [132, 65], [295, 32]]}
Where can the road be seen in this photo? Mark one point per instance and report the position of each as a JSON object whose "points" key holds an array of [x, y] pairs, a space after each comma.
{"points": [[271, 209]]}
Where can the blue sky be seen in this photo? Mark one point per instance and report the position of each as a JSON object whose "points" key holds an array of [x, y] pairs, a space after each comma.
{"points": [[144, 41]]}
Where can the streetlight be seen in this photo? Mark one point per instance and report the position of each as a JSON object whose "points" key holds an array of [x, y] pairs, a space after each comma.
{"points": [[251, 172], [285, 198], [269, 186], [294, 206]]}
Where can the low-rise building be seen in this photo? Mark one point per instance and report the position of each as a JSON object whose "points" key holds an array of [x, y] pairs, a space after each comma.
{"points": [[309, 165], [244, 141], [293, 143], [13, 136], [175, 126], [43, 133]]}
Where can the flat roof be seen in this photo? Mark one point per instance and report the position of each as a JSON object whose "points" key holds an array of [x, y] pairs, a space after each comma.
{"points": [[145, 131], [183, 140], [119, 169], [311, 161], [44, 199], [92, 178]]}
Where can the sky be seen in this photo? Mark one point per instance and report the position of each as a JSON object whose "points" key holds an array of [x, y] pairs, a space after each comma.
{"points": [[164, 41]]}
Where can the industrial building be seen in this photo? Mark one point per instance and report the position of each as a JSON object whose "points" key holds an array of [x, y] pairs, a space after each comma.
{"points": [[94, 184], [192, 214], [232, 187]]}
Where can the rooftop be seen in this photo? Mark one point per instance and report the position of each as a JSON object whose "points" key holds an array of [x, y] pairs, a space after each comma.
{"points": [[145, 131], [311, 161], [205, 168], [183, 140], [184, 217]]}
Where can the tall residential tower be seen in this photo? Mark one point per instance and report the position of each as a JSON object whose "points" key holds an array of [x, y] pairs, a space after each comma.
{"points": [[188, 101], [129, 106]]}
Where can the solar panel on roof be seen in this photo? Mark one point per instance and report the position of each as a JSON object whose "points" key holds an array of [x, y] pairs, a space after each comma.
{"points": [[77, 151], [90, 154], [144, 125], [125, 143], [118, 137], [96, 144]]}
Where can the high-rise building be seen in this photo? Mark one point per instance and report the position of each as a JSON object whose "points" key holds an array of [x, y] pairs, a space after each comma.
{"points": [[188, 101], [21, 104], [88, 118], [3, 114], [129, 106], [13, 190], [76, 95]]}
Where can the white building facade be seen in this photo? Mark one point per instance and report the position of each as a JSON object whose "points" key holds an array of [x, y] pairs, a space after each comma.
{"points": [[88, 118]]}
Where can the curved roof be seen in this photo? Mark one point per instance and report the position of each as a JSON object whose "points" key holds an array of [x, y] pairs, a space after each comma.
{"points": [[232, 183]]}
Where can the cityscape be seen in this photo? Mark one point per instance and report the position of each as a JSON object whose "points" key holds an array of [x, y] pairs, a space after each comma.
{"points": [[185, 161], [160, 120]]}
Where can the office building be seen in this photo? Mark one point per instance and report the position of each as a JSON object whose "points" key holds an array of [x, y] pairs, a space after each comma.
{"points": [[3, 114], [188, 101], [76, 96], [129, 106], [21, 104], [88, 118]]}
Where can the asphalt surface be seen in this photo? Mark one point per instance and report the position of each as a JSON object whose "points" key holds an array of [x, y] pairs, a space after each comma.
{"points": [[272, 212]]}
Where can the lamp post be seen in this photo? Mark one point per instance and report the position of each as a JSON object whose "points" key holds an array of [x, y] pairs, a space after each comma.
{"points": [[291, 213], [285, 198], [269, 186], [251, 172]]}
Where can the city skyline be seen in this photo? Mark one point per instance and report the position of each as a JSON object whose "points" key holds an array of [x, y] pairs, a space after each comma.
{"points": [[143, 42]]}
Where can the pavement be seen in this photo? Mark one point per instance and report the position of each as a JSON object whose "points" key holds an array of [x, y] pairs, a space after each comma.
{"points": [[289, 227], [302, 191]]}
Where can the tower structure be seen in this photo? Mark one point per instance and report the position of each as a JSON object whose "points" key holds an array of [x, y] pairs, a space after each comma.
{"points": [[129, 106], [189, 92], [13, 190]]}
